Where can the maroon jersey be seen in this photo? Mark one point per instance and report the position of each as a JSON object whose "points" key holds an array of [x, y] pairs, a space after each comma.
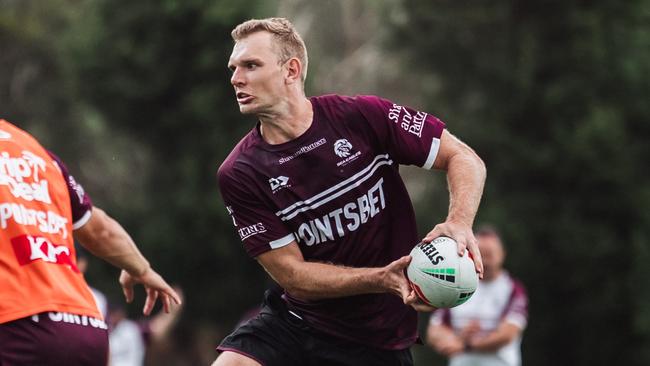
{"points": [[79, 199], [336, 190]]}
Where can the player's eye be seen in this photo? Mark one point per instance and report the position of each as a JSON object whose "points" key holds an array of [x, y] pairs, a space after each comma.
{"points": [[251, 65]]}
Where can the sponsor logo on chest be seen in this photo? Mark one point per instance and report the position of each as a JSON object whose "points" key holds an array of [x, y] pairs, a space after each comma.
{"points": [[343, 149], [303, 150], [46, 221], [16, 172], [279, 183], [347, 218]]}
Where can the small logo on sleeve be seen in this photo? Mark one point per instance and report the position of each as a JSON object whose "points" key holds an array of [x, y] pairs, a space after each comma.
{"points": [[78, 189], [408, 122], [248, 231]]}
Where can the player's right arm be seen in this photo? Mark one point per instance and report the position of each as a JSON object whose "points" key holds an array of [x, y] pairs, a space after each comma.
{"points": [[314, 280], [267, 239], [416, 138], [106, 238]]}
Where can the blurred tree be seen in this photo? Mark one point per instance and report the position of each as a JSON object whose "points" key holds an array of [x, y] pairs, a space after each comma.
{"points": [[157, 72], [33, 93], [135, 96], [37, 92], [553, 95]]}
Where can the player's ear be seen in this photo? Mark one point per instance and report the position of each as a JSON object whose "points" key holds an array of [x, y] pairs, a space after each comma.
{"points": [[293, 69]]}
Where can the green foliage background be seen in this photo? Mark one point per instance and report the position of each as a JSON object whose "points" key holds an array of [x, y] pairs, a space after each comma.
{"points": [[135, 97], [554, 97]]}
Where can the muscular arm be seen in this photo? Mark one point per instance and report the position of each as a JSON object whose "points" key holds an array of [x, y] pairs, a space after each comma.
{"points": [[106, 238], [496, 339], [466, 177], [311, 280]]}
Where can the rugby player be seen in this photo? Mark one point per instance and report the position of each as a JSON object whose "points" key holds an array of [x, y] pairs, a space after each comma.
{"points": [[316, 197]]}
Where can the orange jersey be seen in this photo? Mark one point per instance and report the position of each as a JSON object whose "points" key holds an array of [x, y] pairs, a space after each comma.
{"points": [[38, 270]]}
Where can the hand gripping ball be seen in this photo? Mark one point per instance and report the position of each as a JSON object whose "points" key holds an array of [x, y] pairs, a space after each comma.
{"points": [[439, 276]]}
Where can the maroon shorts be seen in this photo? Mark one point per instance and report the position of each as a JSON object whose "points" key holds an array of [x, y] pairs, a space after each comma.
{"points": [[54, 339]]}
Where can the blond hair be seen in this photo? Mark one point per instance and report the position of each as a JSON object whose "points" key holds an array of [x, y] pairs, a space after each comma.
{"points": [[287, 39]]}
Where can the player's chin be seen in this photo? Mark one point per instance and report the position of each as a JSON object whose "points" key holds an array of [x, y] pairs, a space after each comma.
{"points": [[246, 110]]}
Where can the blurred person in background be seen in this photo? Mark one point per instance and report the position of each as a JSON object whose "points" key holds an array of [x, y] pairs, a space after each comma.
{"points": [[315, 195], [487, 329], [125, 338], [129, 339], [82, 263], [48, 315]]}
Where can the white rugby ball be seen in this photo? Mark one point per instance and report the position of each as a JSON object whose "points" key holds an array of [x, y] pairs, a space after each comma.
{"points": [[439, 276]]}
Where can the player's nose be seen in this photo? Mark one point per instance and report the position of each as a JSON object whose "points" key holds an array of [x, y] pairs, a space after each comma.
{"points": [[237, 78]]}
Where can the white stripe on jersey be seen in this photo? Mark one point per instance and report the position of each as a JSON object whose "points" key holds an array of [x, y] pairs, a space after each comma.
{"points": [[433, 152], [335, 191], [83, 220], [279, 243]]}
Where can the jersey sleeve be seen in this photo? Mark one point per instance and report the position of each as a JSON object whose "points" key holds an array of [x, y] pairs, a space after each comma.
{"points": [[79, 199], [516, 312], [410, 136], [259, 228]]}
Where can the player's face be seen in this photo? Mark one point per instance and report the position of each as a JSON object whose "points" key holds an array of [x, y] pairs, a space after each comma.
{"points": [[257, 75], [492, 255]]}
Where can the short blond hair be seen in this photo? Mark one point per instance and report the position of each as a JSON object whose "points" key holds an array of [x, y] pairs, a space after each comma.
{"points": [[286, 38]]}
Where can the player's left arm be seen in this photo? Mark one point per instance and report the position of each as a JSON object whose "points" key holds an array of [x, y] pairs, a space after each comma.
{"points": [[505, 333], [466, 174]]}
